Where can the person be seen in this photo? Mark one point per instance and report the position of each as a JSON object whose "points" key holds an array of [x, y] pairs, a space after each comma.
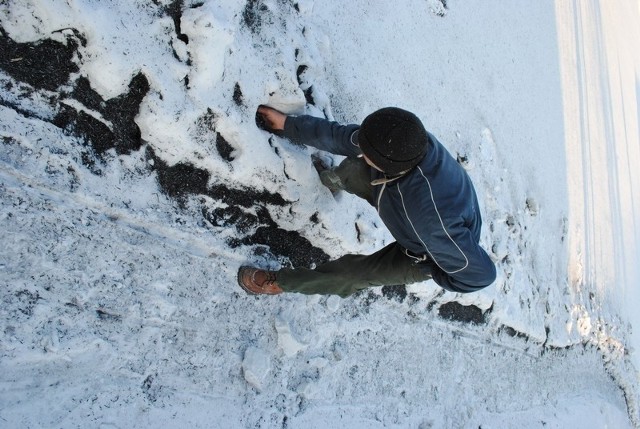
{"points": [[423, 196]]}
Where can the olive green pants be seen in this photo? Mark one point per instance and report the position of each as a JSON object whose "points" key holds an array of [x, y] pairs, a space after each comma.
{"points": [[351, 273]]}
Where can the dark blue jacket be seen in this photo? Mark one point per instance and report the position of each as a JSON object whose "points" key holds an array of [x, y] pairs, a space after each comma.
{"points": [[432, 210]]}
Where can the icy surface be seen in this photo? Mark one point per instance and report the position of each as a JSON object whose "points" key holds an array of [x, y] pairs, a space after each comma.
{"points": [[120, 306]]}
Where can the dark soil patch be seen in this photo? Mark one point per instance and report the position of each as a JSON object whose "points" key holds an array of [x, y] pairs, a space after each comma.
{"points": [[108, 315], [253, 15], [81, 124], [514, 333], [308, 92], [181, 181], [289, 244], [28, 301], [123, 135], [300, 71], [238, 98], [109, 124], [45, 64], [221, 217], [396, 292], [174, 10], [224, 148], [308, 96], [444, 5], [463, 313], [207, 128], [368, 297]]}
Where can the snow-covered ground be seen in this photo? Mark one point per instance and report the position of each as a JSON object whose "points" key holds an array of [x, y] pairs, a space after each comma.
{"points": [[119, 301]]}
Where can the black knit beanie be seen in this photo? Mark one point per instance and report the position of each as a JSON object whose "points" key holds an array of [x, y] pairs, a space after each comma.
{"points": [[393, 139]]}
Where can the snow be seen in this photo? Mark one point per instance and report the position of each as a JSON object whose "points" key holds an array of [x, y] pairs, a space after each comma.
{"points": [[120, 306], [602, 70]]}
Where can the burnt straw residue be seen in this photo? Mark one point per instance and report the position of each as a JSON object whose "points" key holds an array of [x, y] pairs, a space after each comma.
{"points": [[238, 97], [206, 129], [302, 82], [27, 301], [174, 11], [245, 209], [243, 220], [395, 292], [514, 333], [224, 148], [253, 15], [105, 125], [118, 130], [44, 64], [286, 243], [457, 312], [182, 180]]}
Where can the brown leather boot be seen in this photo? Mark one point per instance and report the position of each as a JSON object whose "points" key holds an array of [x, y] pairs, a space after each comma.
{"points": [[258, 282]]}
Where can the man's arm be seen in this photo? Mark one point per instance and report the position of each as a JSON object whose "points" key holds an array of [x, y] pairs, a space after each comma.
{"points": [[311, 131]]}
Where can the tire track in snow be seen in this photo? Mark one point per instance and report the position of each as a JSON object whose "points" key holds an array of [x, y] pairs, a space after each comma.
{"points": [[603, 238]]}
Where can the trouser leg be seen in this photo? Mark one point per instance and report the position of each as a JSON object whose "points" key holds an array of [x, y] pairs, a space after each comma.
{"points": [[352, 175], [351, 273]]}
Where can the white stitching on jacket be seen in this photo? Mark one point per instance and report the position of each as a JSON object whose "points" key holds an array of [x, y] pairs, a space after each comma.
{"points": [[384, 186], [441, 223], [351, 138]]}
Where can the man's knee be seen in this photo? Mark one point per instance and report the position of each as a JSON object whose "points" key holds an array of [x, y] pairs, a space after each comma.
{"points": [[355, 176]]}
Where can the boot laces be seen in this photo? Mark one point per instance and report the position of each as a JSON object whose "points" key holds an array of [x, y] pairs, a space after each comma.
{"points": [[269, 280]]}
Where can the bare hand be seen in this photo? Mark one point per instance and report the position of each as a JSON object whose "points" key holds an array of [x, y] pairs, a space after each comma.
{"points": [[270, 119]]}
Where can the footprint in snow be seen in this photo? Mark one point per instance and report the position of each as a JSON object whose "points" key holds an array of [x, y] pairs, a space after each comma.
{"points": [[438, 7], [532, 207]]}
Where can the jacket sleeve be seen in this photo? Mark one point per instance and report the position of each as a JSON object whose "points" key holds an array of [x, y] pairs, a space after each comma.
{"points": [[321, 134]]}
